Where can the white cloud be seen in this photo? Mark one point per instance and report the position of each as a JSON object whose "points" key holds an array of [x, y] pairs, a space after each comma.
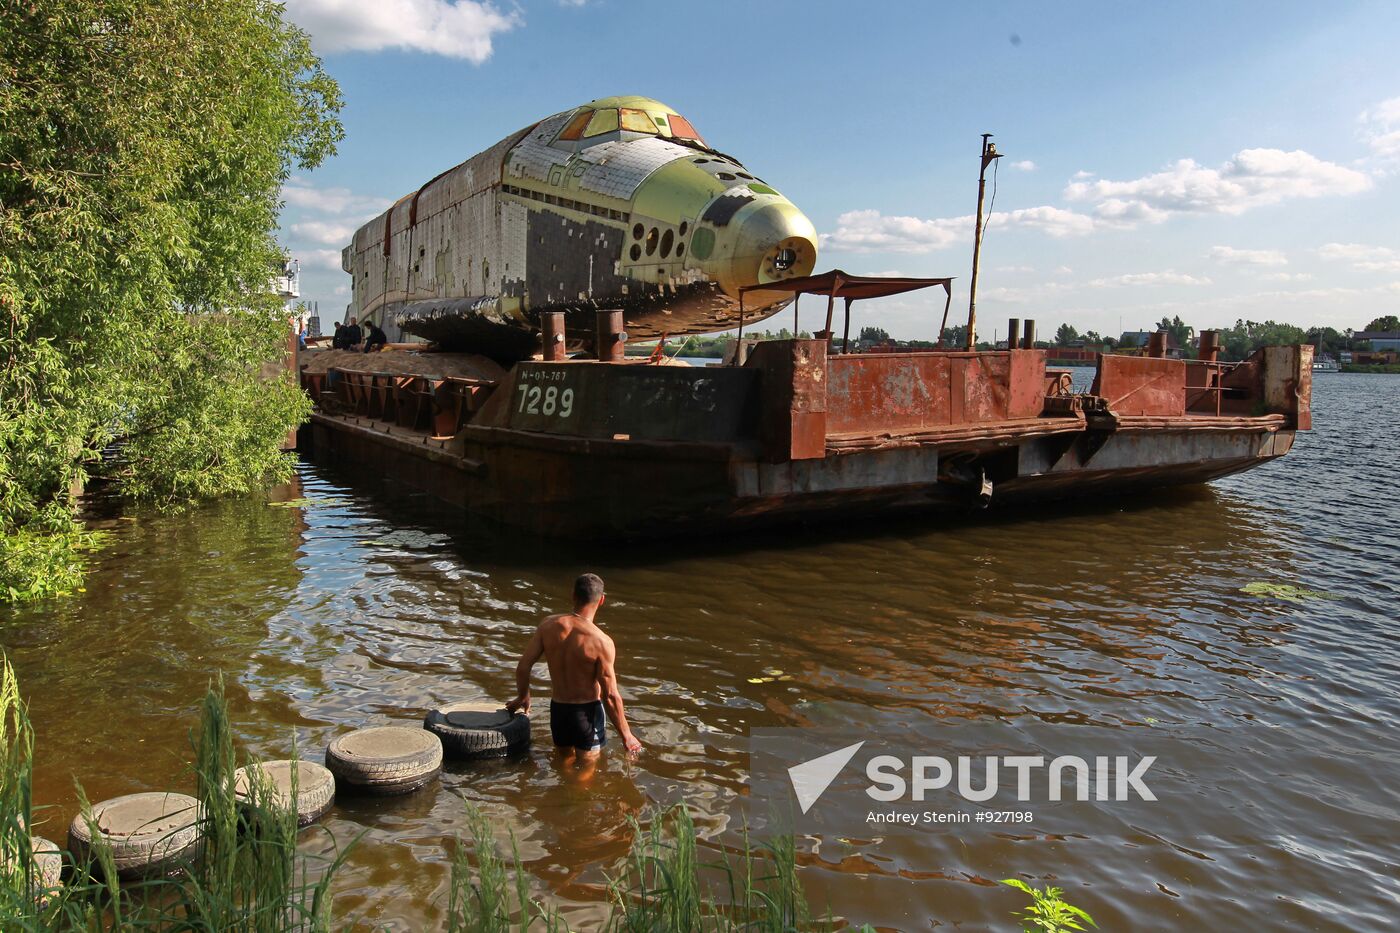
{"points": [[455, 28], [298, 192], [1381, 128], [1365, 258], [1055, 221], [1150, 278], [1287, 277], [867, 231], [1248, 257], [329, 233], [1025, 165], [1251, 178], [321, 259]]}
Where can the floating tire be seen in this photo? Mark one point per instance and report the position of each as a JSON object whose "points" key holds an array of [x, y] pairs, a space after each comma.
{"points": [[48, 863], [478, 730], [150, 835], [385, 760], [315, 786]]}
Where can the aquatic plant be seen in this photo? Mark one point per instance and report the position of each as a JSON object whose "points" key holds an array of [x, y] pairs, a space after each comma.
{"points": [[1285, 591], [663, 885], [495, 898], [1048, 911]]}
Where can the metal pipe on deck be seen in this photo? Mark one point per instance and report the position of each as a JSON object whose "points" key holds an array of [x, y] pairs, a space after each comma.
{"points": [[1013, 333], [1028, 335], [1157, 345], [610, 340], [846, 335], [552, 336], [1210, 346]]}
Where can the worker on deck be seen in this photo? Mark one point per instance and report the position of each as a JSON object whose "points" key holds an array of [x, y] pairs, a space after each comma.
{"points": [[352, 335], [581, 659], [375, 338]]}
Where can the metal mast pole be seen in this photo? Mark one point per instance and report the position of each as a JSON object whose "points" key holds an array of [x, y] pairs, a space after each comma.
{"points": [[989, 155]]}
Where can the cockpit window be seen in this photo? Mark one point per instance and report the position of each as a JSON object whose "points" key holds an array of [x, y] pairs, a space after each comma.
{"points": [[638, 121], [589, 123], [681, 129], [604, 121], [575, 128]]}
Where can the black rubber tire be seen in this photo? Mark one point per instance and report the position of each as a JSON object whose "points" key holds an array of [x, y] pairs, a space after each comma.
{"points": [[151, 835], [384, 760], [488, 732], [315, 786]]}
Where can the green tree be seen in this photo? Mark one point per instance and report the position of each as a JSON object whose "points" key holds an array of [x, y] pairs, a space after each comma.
{"points": [[1389, 324], [1327, 340], [143, 145], [1245, 337], [1065, 335], [1184, 334], [874, 335]]}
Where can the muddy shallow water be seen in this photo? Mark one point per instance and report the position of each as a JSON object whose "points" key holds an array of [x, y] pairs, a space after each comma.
{"points": [[364, 608]]}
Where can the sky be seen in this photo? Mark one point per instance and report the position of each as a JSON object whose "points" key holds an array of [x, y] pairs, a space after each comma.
{"points": [[1213, 161]]}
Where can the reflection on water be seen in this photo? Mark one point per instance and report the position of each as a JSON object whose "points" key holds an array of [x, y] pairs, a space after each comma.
{"points": [[365, 608]]}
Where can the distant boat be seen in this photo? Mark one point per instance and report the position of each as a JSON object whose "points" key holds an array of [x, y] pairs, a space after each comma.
{"points": [[1325, 364]]}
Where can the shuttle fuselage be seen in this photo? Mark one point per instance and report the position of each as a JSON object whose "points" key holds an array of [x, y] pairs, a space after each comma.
{"points": [[618, 203]]}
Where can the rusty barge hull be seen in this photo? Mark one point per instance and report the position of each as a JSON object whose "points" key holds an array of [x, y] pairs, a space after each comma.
{"points": [[632, 450]]}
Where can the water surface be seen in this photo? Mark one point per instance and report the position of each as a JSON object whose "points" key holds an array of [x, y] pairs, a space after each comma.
{"points": [[367, 607]]}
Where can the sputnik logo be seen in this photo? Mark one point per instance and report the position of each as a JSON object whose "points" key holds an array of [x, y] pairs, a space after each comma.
{"points": [[811, 778]]}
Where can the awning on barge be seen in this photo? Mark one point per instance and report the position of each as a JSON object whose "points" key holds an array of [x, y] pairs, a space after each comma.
{"points": [[840, 284]]}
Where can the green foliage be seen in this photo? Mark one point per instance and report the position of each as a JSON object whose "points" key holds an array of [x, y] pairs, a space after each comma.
{"points": [[1388, 323], [62, 556], [1066, 335], [1245, 337], [1048, 912], [1184, 334], [874, 335], [143, 145]]}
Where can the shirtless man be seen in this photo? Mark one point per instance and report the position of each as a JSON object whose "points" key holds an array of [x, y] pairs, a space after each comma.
{"points": [[581, 659]]}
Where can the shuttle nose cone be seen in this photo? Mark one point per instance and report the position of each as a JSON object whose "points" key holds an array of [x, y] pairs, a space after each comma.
{"points": [[771, 241]]}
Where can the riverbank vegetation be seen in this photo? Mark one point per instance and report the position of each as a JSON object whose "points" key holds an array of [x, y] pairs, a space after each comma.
{"points": [[250, 875], [143, 147]]}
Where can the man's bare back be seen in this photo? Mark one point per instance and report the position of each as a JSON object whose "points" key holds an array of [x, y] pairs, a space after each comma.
{"points": [[581, 659], [574, 648]]}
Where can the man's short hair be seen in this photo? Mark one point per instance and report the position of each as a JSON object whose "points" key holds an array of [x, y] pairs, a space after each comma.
{"points": [[587, 589]]}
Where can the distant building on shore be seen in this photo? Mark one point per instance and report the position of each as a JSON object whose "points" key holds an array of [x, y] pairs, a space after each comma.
{"points": [[1379, 339]]}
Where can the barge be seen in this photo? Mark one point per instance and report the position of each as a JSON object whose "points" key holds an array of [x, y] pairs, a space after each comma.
{"points": [[789, 430], [527, 266]]}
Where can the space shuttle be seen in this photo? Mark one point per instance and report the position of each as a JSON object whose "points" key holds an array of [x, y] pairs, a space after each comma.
{"points": [[616, 204]]}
